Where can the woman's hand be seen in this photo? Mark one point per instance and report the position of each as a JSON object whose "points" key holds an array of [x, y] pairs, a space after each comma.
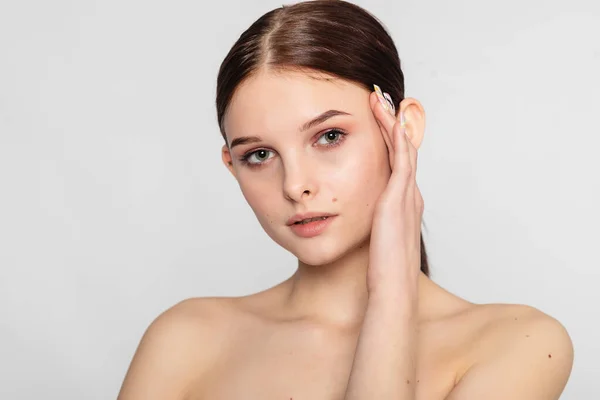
{"points": [[395, 249], [384, 362]]}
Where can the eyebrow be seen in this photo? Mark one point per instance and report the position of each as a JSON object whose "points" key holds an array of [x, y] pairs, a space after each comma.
{"points": [[319, 119]]}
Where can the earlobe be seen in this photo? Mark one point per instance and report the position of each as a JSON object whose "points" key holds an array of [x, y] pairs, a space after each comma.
{"points": [[227, 159]]}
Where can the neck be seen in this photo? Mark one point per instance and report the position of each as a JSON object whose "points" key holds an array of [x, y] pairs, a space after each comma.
{"points": [[336, 293]]}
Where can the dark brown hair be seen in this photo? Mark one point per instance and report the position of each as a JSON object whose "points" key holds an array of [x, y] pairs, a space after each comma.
{"points": [[327, 36]]}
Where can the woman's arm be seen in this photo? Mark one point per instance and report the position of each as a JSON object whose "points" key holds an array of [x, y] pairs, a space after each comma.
{"points": [[384, 364], [385, 360]]}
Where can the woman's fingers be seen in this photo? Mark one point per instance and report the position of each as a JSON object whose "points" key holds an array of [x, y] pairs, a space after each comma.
{"points": [[412, 153], [383, 116], [402, 161], [385, 128], [388, 121], [419, 201], [403, 154]]}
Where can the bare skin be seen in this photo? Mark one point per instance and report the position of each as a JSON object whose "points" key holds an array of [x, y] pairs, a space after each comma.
{"points": [[297, 340], [256, 347]]}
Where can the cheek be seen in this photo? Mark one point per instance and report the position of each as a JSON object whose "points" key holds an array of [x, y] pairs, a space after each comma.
{"points": [[261, 195], [254, 191], [362, 173]]}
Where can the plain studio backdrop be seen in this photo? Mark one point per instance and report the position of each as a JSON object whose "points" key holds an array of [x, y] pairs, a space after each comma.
{"points": [[114, 204]]}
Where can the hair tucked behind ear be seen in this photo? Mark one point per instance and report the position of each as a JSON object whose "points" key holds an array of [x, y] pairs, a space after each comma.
{"points": [[333, 37]]}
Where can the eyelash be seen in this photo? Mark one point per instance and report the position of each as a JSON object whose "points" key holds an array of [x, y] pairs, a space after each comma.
{"points": [[244, 159]]}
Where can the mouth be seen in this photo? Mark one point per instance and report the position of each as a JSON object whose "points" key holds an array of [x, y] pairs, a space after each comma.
{"points": [[311, 226], [309, 220]]}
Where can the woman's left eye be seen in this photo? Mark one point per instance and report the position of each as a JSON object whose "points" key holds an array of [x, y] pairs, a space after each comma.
{"points": [[331, 137]]}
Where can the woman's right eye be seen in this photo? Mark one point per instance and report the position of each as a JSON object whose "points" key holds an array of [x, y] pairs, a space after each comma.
{"points": [[257, 157]]}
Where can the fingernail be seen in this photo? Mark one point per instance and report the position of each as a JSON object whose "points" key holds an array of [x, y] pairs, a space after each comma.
{"points": [[382, 99], [389, 99]]}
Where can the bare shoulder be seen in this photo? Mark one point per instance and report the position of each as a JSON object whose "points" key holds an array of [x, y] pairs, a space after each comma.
{"points": [[178, 347], [516, 351], [503, 326]]}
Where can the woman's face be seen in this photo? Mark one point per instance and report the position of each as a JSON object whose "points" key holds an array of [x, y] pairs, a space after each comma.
{"points": [[338, 165]]}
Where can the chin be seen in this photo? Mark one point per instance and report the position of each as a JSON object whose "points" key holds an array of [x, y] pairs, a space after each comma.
{"points": [[320, 250], [319, 256]]}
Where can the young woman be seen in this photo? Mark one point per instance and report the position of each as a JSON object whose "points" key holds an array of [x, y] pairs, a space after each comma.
{"points": [[328, 166]]}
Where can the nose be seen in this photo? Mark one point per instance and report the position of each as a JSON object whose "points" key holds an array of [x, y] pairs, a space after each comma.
{"points": [[299, 181]]}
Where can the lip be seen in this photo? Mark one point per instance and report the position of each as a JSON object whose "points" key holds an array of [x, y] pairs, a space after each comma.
{"points": [[300, 217], [313, 228]]}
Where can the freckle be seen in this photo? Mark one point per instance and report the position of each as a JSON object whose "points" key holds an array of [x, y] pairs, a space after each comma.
{"points": [[516, 318], [549, 355], [407, 381], [526, 335], [334, 199], [418, 381]]}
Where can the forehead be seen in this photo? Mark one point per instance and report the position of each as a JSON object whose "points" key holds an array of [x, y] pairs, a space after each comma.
{"points": [[277, 101]]}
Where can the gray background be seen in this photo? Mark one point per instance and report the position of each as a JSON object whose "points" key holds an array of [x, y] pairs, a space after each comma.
{"points": [[114, 204]]}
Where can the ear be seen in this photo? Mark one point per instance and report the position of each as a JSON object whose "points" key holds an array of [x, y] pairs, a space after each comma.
{"points": [[414, 114], [227, 160]]}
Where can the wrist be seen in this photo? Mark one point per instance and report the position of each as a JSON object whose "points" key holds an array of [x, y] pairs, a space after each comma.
{"points": [[395, 298], [397, 286]]}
